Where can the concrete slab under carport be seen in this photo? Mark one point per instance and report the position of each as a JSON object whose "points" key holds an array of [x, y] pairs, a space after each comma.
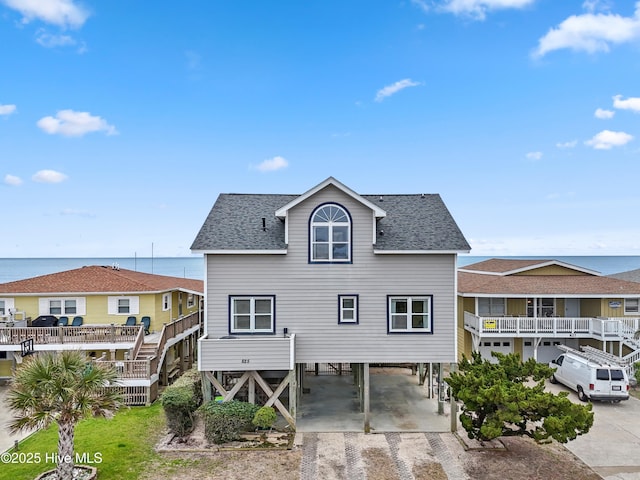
{"points": [[397, 403]]}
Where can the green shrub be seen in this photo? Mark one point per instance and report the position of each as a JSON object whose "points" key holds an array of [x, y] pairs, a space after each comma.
{"points": [[636, 372], [223, 422], [265, 417], [180, 401]]}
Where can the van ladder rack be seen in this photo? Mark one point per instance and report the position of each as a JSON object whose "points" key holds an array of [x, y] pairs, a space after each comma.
{"points": [[590, 353]]}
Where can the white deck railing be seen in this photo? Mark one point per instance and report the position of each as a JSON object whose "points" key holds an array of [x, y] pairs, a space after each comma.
{"points": [[595, 327]]}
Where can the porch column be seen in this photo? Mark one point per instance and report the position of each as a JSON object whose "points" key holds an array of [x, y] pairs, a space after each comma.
{"points": [[367, 413], [536, 344]]}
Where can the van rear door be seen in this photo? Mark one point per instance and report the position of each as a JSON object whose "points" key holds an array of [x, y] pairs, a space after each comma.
{"points": [[619, 382], [610, 384]]}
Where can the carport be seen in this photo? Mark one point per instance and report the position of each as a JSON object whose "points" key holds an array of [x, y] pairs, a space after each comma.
{"points": [[397, 403]]}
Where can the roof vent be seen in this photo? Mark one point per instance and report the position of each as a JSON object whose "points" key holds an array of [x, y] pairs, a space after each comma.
{"points": [[422, 196], [115, 266], [380, 199]]}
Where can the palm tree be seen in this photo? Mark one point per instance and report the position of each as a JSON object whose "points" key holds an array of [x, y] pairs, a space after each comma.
{"points": [[61, 388]]}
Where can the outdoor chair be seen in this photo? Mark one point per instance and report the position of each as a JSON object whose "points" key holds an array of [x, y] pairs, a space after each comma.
{"points": [[146, 322], [77, 321], [131, 322], [63, 321]]}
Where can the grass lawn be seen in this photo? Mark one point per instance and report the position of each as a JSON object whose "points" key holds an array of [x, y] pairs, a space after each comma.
{"points": [[121, 448]]}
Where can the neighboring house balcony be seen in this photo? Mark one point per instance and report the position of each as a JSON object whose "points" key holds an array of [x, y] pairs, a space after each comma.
{"points": [[247, 353], [145, 363], [601, 328], [86, 337]]}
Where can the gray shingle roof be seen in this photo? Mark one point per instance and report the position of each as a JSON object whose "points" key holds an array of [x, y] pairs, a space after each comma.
{"points": [[413, 222]]}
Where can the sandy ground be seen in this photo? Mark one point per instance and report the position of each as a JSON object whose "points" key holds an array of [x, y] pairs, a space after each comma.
{"points": [[392, 456]]}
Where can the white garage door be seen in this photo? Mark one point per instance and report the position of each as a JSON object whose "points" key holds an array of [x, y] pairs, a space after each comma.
{"points": [[547, 350], [488, 345]]}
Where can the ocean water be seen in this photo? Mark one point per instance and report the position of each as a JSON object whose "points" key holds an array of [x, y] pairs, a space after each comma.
{"points": [[20, 268], [193, 267]]}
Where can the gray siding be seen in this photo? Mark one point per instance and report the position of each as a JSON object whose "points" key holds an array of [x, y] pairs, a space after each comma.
{"points": [[307, 294], [241, 354]]}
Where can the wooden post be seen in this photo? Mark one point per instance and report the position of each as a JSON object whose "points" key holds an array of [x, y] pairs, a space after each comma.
{"points": [[367, 415], [252, 390], [206, 387], [454, 405], [165, 373], [293, 391], [421, 374], [440, 392]]}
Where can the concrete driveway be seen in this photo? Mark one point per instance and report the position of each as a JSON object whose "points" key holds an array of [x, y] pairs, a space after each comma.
{"points": [[6, 439], [612, 446]]}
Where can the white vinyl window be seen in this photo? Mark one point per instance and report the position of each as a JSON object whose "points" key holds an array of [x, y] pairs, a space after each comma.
{"points": [[166, 302], [491, 306], [6, 305], [191, 300], [62, 306], [631, 306], [411, 314], [330, 235], [347, 308], [252, 314], [123, 305], [541, 307]]}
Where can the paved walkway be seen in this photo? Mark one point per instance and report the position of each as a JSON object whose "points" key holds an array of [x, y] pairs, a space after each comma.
{"points": [[7, 439], [336, 456]]}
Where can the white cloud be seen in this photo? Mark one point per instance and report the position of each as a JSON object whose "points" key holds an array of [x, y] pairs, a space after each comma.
{"points": [[395, 88], [421, 4], [50, 40], [631, 103], [63, 13], [12, 180], [7, 109], [570, 144], [478, 9], [48, 176], [75, 124], [534, 155], [604, 114], [595, 5], [273, 164], [591, 32], [606, 139]]}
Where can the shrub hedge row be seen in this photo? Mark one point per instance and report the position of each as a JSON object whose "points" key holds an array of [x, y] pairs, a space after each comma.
{"points": [[223, 422], [180, 402]]}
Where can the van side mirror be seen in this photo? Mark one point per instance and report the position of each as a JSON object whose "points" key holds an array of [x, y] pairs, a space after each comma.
{"points": [[554, 361]]}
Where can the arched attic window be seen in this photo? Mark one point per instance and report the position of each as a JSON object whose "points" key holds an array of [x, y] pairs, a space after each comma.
{"points": [[330, 234]]}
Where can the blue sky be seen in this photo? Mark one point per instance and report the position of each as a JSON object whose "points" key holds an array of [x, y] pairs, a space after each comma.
{"points": [[121, 122]]}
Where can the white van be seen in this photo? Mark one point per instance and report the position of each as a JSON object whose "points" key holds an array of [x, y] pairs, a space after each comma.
{"points": [[591, 378]]}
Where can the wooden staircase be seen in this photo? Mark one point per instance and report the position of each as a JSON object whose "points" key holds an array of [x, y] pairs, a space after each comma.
{"points": [[147, 350]]}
